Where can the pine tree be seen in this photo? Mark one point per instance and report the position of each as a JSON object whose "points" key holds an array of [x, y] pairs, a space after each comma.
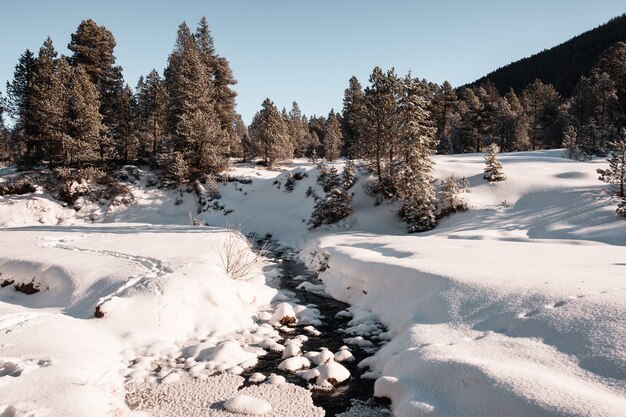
{"points": [[20, 103], [443, 106], [380, 124], [49, 106], [419, 200], [174, 169], [220, 78], [336, 206], [332, 138], [84, 125], [451, 200], [348, 176], [92, 48], [571, 150], [616, 173], [152, 107], [268, 132], [493, 170], [193, 124], [4, 134], [540, 102], [354, 113], [417, 135]]}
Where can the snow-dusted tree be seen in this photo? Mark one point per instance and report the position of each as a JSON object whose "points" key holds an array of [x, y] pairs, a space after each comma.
{"points": [[19, 100], [414, 185], [419, 200], [464, 183], [268, 132], [570, 146], [616, 173], [493, 170], [451, 200], [348, 176], [332, 138]]}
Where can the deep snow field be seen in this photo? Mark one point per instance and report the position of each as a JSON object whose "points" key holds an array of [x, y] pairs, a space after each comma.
{"points": [[514, 308]]}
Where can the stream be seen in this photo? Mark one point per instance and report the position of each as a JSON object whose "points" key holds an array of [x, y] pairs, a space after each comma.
{"points": [[355, 390]]}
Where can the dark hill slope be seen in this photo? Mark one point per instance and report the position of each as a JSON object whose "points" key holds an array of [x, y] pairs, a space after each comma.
{"points": [[562, 65]]}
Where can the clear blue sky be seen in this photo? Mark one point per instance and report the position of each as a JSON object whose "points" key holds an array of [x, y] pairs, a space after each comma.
{"points": [[307, 50]]}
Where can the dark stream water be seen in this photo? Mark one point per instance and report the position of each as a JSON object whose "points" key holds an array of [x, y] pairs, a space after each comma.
{"points": [[356, 388]]}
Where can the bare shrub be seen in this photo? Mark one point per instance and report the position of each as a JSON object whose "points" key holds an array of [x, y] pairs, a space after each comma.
{"points": [[236, 256]]}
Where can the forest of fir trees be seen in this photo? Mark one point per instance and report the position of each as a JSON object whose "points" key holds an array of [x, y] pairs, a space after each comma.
{"points": [[76, 111]]}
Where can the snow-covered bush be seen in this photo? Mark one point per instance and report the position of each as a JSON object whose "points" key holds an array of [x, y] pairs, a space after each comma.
{"points": [[493, 170]]}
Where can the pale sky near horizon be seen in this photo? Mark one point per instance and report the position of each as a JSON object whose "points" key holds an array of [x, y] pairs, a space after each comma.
{"points": [[306, 51]]}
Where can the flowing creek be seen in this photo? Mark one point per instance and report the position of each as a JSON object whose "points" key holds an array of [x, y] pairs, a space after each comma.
{"points": [[355, 390]]}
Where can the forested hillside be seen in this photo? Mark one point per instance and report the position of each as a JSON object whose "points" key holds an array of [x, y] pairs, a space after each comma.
{"points": [[563, 65]]}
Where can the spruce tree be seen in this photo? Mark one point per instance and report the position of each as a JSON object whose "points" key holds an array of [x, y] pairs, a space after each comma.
{"points": [[616, 173], [332, 138], [493, 170], [348, 176]]}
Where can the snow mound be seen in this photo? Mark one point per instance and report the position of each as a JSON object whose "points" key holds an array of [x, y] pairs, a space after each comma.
{"points": [[245, 404]]}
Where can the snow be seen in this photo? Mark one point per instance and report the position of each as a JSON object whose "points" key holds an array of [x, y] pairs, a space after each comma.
{"points": [[245, 404], [294, 363], [516, 307]]}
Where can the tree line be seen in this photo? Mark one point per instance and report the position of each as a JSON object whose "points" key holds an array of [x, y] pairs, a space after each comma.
{"points": [[77, 110]]}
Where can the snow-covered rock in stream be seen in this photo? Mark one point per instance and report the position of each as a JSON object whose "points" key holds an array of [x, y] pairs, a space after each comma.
{"points": [[283, 314], [294, 364], [330, 372], [245, 404]]}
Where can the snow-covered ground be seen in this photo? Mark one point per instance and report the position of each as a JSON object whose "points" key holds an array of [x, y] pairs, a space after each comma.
{"points": [[514, 308]]}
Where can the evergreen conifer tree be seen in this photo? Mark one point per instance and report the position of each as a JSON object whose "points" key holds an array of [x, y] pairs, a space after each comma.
{"points": [[354, 113], [332, 137], [451, 200], [269, 134], [493, 170], [193, 124], [570, 144], [616, 173], [84, 124]]}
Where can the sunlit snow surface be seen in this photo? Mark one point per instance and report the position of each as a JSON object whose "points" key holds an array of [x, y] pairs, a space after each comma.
{"points": [[514, 308]]}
